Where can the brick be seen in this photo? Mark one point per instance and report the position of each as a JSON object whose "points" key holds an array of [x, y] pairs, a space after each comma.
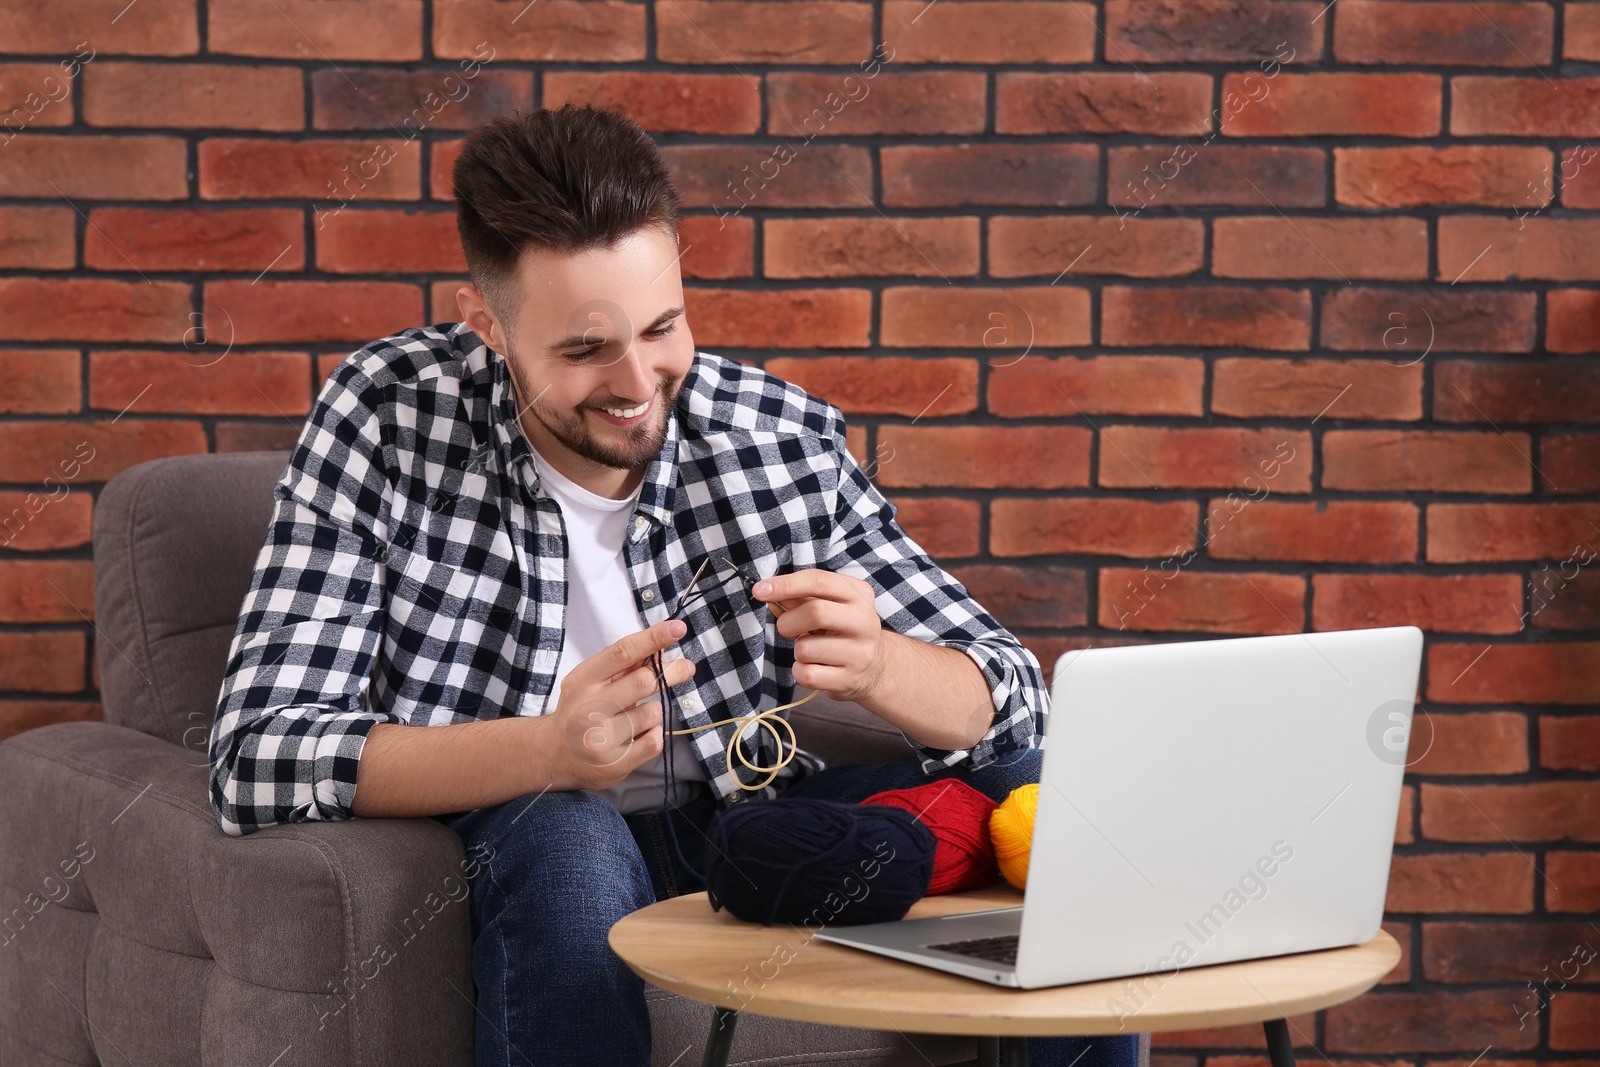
{"points": [[986, 457], [1028, 596], [44, 662], [1093, 526], [998, 320], [604, 31], [1426, 1022], [1141, 457], [1504, 391], [717, 248], [174, 239], [33, 95], [1405, 828], [1347, 531], [1569, 463], [857, 247], [151, 28], [1302, 1028], [728, 178], [780, 318], [1575, 1020], [1453, 603], [1482, 249], [1277, 246], [1421, 175], [1342, 388], [985, 32], [1452, 881], [409, 102], [1210, 31], [1206, 316], [95, 167], [803, 105], [1020, 246], [1102, 102], [1440, 461], [1007, 174], [885, 385], [1572, 322], [38, 238], [1566, 595], [1407, 323], [268, 312], [193, 94], [742, 31], [17, 716], [1579, 176], [1574, 880], [324, 170], [256, 436], [442, 158], [241, 383], [1523, 107], [1188, 601], [46, 590], [1331, 104], [1581, 31], [1205, 173], [47, 518], [1569, 743], [1478, 742], [442, 307], [39, 381], [313, 30], [1464, 533], [945, 527], [693, 103], [94, 309], [83, 452], [1097, 385], [1049, 650], [1501, 951], [1479, 33], [1566, 672], [362, 241]]}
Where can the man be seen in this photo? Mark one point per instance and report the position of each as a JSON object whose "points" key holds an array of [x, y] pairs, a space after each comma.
{"points": [[486, 545]]}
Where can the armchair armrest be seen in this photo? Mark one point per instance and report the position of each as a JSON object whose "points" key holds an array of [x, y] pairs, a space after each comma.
{"points": [[349, 941]]}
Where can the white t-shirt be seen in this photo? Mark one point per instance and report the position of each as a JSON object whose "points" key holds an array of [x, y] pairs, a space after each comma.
{"points": [[600, 612]]}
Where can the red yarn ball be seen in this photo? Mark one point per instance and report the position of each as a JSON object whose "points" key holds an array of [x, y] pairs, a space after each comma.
{"points": [[958, 815]]}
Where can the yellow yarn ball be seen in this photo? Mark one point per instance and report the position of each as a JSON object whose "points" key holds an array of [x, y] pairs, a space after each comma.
{"points": [[1011, 828]]}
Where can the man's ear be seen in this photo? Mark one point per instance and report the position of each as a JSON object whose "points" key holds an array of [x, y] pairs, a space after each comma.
{"points": [[479, 319]]}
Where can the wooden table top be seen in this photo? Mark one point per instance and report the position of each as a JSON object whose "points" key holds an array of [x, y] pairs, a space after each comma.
{"points": [[681, 945]]}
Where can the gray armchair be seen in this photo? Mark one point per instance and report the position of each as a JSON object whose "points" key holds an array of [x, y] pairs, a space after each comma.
{"points": [[134, 931]]}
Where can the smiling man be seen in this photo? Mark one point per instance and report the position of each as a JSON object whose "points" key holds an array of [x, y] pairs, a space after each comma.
{"points": [[490, 530]]}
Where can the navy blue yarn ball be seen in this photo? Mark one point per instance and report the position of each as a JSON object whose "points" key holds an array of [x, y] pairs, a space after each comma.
{"points": [[794, 859]]}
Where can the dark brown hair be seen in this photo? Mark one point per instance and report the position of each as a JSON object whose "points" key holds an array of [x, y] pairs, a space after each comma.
{"points": [[566, 180]]}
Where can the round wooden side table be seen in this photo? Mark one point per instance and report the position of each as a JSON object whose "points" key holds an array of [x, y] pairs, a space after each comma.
{"points": [[683, 946]]}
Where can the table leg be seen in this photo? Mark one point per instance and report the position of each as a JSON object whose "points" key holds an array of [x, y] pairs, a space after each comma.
{"points": [[721, 1039], [1002, 1052], [1279, 1047]]}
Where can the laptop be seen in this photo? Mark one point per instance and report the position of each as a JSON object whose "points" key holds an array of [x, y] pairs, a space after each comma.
{"points": [[1200, 802]]}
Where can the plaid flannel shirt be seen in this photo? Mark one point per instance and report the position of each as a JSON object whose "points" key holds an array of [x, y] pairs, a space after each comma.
{"points": [[414, 573]]}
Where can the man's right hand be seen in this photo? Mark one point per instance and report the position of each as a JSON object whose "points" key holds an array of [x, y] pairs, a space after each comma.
{"points": [[602, 733]]}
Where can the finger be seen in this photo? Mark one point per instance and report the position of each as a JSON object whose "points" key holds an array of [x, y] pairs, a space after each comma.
{"points": [[826, 651], [625, 654], [811, 582], [635, 685]]}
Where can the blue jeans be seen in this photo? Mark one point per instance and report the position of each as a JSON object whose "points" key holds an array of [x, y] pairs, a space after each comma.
{"points": [[558, 869]]}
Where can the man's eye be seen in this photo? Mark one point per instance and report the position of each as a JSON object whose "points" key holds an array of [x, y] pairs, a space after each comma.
{"points": [[579, 357]]}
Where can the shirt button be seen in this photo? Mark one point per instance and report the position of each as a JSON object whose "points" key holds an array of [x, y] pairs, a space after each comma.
{"points": [[638, 522], [735, 796], [692, 703], [648, 595]]}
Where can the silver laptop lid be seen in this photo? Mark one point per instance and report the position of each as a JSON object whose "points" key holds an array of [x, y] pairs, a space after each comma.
{"points": [[1207, 801]]}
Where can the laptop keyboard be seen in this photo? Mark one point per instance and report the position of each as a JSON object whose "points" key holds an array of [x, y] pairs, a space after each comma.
{"points": [[994, 949]]}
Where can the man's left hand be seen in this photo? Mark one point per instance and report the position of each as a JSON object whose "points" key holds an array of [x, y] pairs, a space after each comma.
{"points": [[837, 634]]}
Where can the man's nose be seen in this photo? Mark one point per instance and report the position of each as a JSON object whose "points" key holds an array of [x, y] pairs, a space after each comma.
{"points": [[631, 378]]}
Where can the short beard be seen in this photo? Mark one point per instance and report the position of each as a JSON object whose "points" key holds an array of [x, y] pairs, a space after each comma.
{"points": [[642, 444]]}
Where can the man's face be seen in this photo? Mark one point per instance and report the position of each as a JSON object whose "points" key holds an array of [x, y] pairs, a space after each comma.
{"points": [[595, 330]]}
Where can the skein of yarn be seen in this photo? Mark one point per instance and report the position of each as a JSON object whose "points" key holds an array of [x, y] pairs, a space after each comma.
{"points": [[797, 858], [958, 815], [1011, 828]]}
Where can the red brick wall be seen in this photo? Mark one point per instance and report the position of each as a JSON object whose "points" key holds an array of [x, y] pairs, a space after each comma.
{"points": [[1156, 319]]}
